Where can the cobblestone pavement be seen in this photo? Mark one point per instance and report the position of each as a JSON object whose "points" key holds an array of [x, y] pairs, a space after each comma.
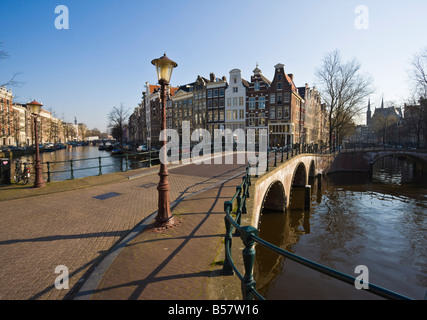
{"points": [[76, 230]]}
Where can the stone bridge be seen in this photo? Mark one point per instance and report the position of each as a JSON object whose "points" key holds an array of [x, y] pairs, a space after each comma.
{"points": [[291, 181], [363, 160], [273, 189]]}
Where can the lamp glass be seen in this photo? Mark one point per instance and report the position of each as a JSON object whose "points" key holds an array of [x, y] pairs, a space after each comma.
{"points": [[35, 108], [164, 67]]}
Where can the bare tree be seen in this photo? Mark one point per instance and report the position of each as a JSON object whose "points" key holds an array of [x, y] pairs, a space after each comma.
{"points": [[343, 90], [418, 73], [12, 82], [118, 118]]}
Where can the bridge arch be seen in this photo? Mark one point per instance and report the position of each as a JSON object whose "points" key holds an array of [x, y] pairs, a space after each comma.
{"points": [[297, 187], [275, 197], [299, 178], [419, 163]]}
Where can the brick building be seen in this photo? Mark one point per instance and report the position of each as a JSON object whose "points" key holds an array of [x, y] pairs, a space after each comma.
{"points": [[257, 103]]}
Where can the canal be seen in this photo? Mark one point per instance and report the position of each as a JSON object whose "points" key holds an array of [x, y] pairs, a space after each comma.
{"points": [[380, 223], [60, 162]]}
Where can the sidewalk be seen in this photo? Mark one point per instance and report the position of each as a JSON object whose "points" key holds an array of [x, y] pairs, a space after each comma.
{"points": [[182, 263]]}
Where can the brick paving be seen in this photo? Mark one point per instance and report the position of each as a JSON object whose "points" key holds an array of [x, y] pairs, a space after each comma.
{"points": [[72, 228]]}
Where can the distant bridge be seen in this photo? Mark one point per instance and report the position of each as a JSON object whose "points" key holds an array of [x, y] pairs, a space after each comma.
{"points": [[363, 160]]}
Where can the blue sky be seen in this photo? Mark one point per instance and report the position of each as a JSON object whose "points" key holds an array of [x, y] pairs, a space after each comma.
{"points": [[104, 58]]}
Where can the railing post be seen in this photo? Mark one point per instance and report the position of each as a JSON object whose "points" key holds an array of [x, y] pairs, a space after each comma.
{"points": [[256, 167], [282, 154], [267, 160], [100, 166], [248, 252], [149, 159], [127, 165], [71, 169], [238, 212], [227, 269], [48, 171], [275, 158]]}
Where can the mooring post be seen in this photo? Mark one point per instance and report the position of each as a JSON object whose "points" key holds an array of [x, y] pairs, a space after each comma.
{"points": [[319, 181], [307, 197]]}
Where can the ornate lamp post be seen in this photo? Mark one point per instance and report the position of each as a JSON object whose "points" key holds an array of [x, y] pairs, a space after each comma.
{"points": [[164, 219], [35, 111]]}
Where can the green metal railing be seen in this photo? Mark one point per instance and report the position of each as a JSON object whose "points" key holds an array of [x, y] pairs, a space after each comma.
{"points": [[149, 157], [249, 236]]}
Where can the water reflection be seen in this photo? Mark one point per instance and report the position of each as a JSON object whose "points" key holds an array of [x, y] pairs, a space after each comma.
{"points": [[60, 164], [379, 222]]}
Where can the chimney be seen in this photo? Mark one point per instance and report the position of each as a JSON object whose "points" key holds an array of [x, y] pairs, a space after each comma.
{"points": [[212, 75], [291, 76]]}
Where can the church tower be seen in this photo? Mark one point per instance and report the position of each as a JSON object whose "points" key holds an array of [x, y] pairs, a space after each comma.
{"points": [[368, 113]]}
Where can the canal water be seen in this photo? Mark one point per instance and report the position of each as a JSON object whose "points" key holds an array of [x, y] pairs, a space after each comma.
{"points": [[380, 223], [85, 162]]}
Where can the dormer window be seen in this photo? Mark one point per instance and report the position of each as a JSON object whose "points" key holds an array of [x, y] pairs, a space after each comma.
{"points": [[256, 86]]}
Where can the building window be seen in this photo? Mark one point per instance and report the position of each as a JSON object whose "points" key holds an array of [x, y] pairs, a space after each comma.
{"points": [[272, 98], [235, 101], [228, 114], [272, 113], [209, 103], [234, 114], [279, 113], [209, 94], [279, 98], [279, 86], [286, 112], [241, 101], [251, 103], [215, 93], [222, 102], [261, 119], [242, 113], [221, 92], [261, 102], [287, 97], [235, 80], [228, 102], [215, 115], [221, 115], [251, 119], [256, 86], [235, 89], [279, 76]]}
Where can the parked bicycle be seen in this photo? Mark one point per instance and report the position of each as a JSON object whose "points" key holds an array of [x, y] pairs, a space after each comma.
{"points": [[22, 174]]}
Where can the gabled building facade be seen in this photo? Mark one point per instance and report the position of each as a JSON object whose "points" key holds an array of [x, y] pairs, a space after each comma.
{"points": [[257, 103], [215, 104], [235, 101], [286, 116]]}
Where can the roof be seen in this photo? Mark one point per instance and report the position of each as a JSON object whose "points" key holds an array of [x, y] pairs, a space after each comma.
{"points": [[155, 88], [245, 83]]}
